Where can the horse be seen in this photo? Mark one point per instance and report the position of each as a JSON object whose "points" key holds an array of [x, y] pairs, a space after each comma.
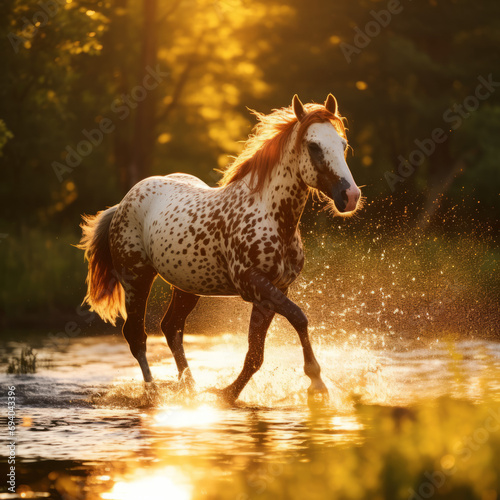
{"points": [[239, 238]]}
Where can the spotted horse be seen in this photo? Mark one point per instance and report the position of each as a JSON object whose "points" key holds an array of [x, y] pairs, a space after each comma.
{"points": [[240, 238]]}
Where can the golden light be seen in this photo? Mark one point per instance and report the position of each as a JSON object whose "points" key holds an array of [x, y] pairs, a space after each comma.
{"points": [[164, 138], [150, 486], [346, 424], [27, 422], [360, 85], [447, 462], [178, 417], [367, 160]]}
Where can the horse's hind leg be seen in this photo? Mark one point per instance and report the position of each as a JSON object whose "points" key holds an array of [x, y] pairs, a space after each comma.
{"points": [[172, 325], [137, 290]]}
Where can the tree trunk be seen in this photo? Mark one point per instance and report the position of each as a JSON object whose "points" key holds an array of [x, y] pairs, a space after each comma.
{"points": [[143, 139], [116, 44]]}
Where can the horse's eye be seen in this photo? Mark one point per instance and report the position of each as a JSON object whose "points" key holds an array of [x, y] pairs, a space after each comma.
{"points": [[315, 152], [317, 156], [314, 148]]}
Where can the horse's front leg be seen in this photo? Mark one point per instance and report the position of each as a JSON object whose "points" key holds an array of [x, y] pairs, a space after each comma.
{"points": [[258, 289], [259, 323]]}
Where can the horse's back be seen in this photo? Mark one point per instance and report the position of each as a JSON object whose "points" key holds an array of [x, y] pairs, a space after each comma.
{"points": [[172, 221], [166, 183], [183, 179]]}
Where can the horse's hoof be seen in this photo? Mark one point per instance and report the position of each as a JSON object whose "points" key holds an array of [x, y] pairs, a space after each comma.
{"points": [[318, 392], [187, 383], [150, 385], [188, 386], [225, 395]]}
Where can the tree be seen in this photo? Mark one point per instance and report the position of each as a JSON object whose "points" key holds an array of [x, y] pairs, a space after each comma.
{"points": [[101, 95], [36, 100]]}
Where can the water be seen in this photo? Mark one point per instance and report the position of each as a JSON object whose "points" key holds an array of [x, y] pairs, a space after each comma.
{"points": [[89, 429]]}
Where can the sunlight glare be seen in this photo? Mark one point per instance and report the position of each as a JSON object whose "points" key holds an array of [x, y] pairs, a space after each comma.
{"points": [[178, 417], [346, 424], [149, 487]]}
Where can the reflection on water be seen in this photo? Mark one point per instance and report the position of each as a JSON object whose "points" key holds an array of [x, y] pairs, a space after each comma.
{"points": [[178, 416], [164, 481], [89, 428]]}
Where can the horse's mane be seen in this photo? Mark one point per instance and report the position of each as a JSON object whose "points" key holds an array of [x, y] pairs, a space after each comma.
{"points": [[264, 147]]}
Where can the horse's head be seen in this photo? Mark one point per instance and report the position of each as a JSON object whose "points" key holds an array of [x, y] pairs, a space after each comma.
{"points": [[323, 145]]}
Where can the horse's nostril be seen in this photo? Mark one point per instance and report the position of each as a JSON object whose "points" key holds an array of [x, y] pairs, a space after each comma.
{"points": [[344, 195]]}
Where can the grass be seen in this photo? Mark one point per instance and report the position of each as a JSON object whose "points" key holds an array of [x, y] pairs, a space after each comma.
{"points": [[41, 274], [25, 363]]}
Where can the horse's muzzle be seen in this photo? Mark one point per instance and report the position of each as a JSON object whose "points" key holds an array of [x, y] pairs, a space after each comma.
{"points": [[345, 196], [339, 189], [350, 198]]}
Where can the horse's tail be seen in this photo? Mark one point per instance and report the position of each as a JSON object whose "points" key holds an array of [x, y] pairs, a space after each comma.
{"points": [[105, 294]]}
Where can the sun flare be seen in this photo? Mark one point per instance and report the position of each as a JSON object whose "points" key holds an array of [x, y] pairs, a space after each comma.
{"points": [[149, 486], [178, 416]]}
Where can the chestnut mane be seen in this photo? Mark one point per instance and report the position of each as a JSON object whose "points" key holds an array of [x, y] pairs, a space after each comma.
{"points": [[270, 136]]}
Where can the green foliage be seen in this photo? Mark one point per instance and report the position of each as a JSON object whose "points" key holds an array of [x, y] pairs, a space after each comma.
{"points": [[25, 363], [62, 77], [41, 273]]}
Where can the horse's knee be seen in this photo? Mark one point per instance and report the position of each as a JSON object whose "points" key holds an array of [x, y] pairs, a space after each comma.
{"points": [[164, 325], [312, 369], [299, 320], [255, 362], [172, 340], [171, 332]]}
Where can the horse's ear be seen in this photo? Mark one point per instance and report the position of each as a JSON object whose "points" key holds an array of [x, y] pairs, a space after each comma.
{"points": [[298, 108], [331, 104]]}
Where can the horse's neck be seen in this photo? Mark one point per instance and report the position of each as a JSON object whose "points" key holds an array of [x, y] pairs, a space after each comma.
{"points": [[286, 193]]}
